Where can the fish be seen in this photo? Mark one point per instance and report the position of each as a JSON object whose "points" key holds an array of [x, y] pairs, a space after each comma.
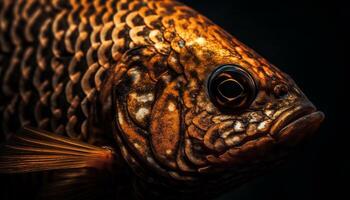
{"points": [[148, 90]]}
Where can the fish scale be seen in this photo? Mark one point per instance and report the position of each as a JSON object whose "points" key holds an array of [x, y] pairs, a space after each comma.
{"points": [[62, 53]]}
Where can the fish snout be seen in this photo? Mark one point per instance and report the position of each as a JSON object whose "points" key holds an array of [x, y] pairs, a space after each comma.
{"points": [[297, 124]]}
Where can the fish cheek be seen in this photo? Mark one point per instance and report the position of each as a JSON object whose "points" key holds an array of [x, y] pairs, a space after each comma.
{"points": [[140, 97], [166, 125]]}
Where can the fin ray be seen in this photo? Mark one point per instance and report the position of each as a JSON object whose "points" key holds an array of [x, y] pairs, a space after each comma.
{"points": [[35, 150]]}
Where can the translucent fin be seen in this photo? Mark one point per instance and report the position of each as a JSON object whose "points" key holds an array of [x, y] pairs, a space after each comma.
{"points": [[36, 150]]}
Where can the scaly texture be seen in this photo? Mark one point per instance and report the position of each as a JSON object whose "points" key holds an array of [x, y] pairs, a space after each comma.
{"points": [[56, 54]]}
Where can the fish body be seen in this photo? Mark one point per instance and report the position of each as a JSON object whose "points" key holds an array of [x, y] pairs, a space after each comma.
{"points": [[182, 102]]}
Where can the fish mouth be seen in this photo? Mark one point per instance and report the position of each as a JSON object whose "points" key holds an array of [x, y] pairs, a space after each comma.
{"points": [[296, 124]]}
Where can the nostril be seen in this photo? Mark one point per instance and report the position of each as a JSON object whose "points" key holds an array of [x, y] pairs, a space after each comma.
{"points": [[280, 90]]}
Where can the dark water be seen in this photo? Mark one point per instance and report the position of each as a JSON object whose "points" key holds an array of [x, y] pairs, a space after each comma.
{"points": [[308, 40]]}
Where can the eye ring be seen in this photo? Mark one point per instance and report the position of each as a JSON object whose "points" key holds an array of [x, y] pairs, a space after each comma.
{"points": [[231, 88]]}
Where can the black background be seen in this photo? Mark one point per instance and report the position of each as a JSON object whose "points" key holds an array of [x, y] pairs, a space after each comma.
{"points": [[307, 40]]}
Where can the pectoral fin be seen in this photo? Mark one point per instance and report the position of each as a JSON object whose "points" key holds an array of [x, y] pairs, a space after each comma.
{"points": [[34, 150]]}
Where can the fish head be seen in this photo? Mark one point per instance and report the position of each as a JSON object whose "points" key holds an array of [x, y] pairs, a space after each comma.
{"points": [[206, 105], [241, 109]]}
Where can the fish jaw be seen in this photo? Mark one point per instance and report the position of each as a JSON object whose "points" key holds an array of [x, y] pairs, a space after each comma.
{"points": [[297, 124]]}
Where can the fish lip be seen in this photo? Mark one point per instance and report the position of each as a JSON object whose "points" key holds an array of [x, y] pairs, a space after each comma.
{"points": [[296, 115]]}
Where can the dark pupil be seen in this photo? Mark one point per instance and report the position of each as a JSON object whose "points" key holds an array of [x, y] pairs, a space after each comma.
{"points": [[230, 89]]}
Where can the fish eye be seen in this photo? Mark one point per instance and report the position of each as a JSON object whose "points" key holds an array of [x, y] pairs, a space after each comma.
{"points": [[231, 88]]}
